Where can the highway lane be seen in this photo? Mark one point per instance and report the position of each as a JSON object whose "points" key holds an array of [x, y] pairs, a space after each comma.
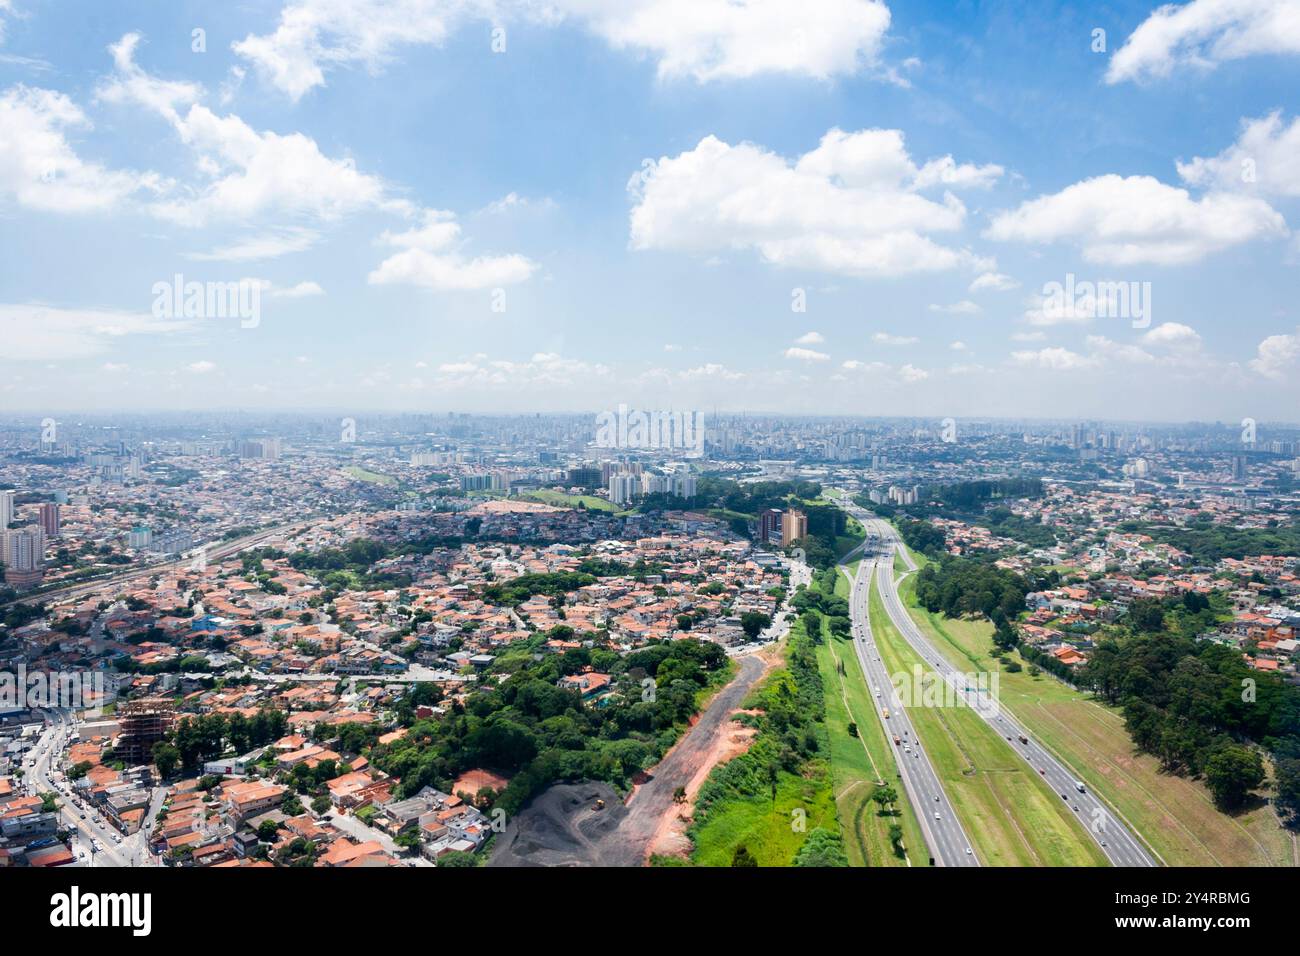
{"points": [[1120, 846], [944, 836]]}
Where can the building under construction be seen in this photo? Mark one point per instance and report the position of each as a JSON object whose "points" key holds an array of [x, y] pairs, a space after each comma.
{"points": [[143, 723]]}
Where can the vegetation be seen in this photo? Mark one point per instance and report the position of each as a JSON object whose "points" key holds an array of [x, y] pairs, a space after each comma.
{"points": [[537, 733]]}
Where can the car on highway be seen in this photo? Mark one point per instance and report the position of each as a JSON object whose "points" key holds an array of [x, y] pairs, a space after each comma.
{"points": [[936, 816]]}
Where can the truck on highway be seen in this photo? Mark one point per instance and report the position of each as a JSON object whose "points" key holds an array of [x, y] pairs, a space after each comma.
{"points": [[1024, 739], [897, 742], [885, 711], [1078, 785]]}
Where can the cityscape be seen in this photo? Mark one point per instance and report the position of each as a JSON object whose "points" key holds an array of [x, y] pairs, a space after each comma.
{"points": [[517, 435]]}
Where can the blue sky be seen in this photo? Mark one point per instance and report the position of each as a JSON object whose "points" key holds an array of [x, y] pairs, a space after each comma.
{"points": [[623, 204]]}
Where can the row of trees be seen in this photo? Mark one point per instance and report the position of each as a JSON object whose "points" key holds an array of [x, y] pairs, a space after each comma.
{"points": [[958, 586], [1198, 707], [206, 737]]}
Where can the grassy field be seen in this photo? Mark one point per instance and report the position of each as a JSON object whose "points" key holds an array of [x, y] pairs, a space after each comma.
{"points": [[763, 822], [1011, 817], [563, 500], [1173, 814], [374, 477], [764, 825], [858, 763]]}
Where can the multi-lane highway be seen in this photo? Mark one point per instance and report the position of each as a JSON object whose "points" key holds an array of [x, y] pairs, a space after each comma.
{"points": [[1116, 841], [943, 833]]}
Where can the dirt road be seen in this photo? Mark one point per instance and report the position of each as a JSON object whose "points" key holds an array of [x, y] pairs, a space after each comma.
{"points": [[560, 828]]}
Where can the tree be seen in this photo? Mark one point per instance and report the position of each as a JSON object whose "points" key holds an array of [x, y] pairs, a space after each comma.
{"points": [[166, 758], [884, 796], [1146, 614], [822, 848], [742, 857], [1231, 772], [753, 623]]}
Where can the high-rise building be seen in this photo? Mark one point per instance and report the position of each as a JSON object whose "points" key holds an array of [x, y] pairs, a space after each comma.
{"points": [[584, 476], [1240, 464], [769, 526], [623, 488], [794, 525], [50, 519], [23, 555], [6, 509], [143, 723]]}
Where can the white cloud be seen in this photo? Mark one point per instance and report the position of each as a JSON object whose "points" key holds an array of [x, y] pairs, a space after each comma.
{"points": [[958, 346], [995, 281], [248, 174], [1138, 219], [1205, 33], [964, 307], [1265, 159], [1173, 335], [810, 338], [268, 245], [1276, 356], [850, 206], [910, 373], [806, 355], [37, 332], [39, 168], [201, 367], [704, 39], [130, 84], [429, 256], [300, 290], [884, 338], [1054, 358]]}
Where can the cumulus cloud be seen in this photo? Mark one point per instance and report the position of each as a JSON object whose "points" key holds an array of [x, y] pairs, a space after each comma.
{"points": [[39, 168], [851, 206], [1138, 219], [1204, 33], [429, 255], [1276, 357], [704, 39], [1265, 159], [810, 338], [805, 355], [884, 338]]}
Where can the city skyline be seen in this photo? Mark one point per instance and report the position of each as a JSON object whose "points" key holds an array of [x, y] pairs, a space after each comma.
{"points": [[559, 207]]}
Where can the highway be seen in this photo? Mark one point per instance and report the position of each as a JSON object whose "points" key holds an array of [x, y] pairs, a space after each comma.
{"points": [[1116, 841], [943, 832]]}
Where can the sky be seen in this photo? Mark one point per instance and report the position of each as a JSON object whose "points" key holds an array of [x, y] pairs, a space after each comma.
{"points": [[831, 206]]}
